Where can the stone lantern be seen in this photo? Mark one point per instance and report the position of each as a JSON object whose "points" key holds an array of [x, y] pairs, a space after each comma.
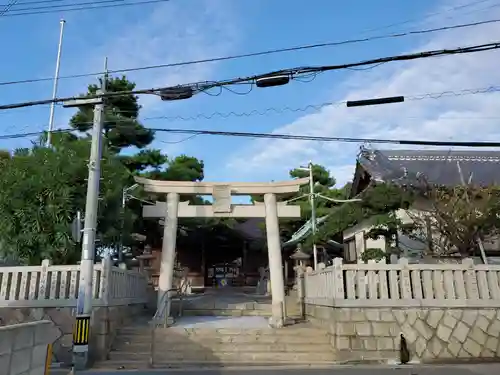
{"points": [[300, 259]]}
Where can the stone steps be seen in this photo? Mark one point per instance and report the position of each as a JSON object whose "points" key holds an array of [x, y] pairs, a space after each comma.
{"points": [[300, 344], [220, 356], [123, 364], [228, 347], [225, 312]]}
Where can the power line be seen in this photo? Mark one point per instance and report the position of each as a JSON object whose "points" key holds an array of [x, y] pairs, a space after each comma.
{"points": [[312, 107], [261, 53], [196, 132], [7, 8], [33, 11], [319, 106], [292, 73], [429, 15], [16, 9]]}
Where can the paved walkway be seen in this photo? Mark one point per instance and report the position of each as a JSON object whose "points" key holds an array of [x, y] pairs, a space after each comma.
{"points": [[489, 369], [222, 322]]}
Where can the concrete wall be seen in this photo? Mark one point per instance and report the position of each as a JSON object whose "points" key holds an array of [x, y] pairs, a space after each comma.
{"points": [[433, 334], [104, 325], [23, 347]]}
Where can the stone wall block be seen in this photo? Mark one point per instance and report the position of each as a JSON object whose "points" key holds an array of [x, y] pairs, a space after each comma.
{"points": [[469, 317], [423, 329], [482, 323], [433, 334], [7, 341], [472, 347], [449, 320], [20, 361], [443, 332], [363, 329], [434, 317], [461, 332], [25, 338]]}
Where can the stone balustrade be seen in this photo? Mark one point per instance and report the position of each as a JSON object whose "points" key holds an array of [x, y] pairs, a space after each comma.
{"points": [[23, 347], [444, 311], [48, 292]]}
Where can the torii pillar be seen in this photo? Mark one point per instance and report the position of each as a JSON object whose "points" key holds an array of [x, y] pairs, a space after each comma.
{"points": [[271, 210]]}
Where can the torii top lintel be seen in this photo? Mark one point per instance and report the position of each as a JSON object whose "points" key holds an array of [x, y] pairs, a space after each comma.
{"points": [[207, 188]]}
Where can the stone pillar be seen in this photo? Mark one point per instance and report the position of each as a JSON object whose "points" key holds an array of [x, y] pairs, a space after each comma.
{"points": [[275, 262], [165, 282]]}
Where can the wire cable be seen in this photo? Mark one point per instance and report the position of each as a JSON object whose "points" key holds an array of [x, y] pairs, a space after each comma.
{"points": [[319, 106], [75, 9], [292, 73], [16, 9], [429, 15], [196, 132], [7, 8], [261, 53]]}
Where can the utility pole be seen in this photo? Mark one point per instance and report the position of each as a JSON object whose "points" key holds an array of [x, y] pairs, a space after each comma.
{"points": [[54, 88], [84, 302], [312, 201], [313, 213]]}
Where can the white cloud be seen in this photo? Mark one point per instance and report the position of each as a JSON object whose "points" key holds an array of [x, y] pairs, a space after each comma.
{"points": [[448, 118], [174, 31]]}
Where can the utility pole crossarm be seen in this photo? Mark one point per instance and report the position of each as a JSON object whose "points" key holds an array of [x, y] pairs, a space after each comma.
{"points": [[81, 102]]}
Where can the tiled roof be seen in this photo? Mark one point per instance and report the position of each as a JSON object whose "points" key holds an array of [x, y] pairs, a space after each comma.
{"points": [[438, 167]]}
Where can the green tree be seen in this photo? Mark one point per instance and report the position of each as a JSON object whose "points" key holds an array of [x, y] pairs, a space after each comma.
{"points": [[379, 203], [42, 189], [122, 127]]}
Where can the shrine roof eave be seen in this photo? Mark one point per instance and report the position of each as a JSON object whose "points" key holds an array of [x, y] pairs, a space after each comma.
{"points": [[207, 188]]}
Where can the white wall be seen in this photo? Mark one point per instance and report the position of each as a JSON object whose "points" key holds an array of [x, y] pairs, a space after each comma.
{"points": [[23, 347], [357, 234], [358, 231]]}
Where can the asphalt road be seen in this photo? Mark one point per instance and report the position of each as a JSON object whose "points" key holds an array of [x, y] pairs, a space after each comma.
{"points": [[472, 369]]}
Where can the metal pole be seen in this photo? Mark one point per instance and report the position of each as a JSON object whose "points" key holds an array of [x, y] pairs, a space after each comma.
{"points": [[313, 214], [56, 81], [124, 203], [84, 303]]}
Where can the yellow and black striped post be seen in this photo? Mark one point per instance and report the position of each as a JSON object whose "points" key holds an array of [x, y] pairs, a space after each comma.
{"points": [[81, 333]]}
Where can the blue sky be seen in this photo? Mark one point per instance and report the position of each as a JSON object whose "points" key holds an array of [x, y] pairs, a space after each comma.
{"points": [[181, 30]]}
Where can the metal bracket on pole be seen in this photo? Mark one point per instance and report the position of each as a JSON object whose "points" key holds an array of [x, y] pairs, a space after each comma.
{"points": [[81, 102]]}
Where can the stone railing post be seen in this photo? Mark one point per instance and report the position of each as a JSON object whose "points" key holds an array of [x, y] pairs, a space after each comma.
{"points": [[338, 275], [470, 279], [44, 279], [301, 291], [105, 287]]}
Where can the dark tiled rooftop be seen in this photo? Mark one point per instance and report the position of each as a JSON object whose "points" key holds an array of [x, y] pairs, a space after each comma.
{"points": [[438, 167]]}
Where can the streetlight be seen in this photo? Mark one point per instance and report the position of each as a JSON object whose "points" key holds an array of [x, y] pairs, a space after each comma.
{"points": [[312, 197], [309, 168], [125, 197]]}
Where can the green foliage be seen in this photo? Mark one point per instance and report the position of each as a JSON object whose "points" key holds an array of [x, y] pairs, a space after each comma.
{"points": [[121, 124], [42, 189], [373, 254], [324, 184], [144, 159], [378, 202]]}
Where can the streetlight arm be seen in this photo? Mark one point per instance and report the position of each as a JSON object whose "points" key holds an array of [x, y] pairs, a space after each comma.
{"points": [[297, 198], [338, 200], [139, 199]]}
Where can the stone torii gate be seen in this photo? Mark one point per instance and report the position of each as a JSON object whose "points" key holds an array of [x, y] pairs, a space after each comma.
{"points": [[270, 209]]}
